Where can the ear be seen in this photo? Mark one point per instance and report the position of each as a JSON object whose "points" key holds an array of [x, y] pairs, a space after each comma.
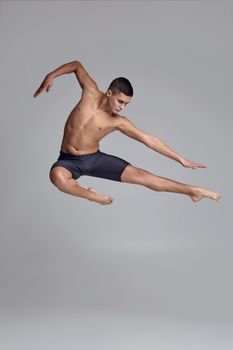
{"points": [[109, 93]]}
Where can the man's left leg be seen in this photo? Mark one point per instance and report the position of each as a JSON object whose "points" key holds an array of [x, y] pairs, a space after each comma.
{"points": [[142, 177]]}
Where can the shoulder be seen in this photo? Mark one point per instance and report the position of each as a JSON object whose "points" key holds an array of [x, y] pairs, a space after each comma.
{"points": [[91, 92], [85, 80], [122, 122], [125, 126]]}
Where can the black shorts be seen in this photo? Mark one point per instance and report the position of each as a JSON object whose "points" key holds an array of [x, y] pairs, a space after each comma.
{"points": [[96, 164]]}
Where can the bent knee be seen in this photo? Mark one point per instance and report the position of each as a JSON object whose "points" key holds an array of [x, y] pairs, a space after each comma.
{"points": [[60, 177]]}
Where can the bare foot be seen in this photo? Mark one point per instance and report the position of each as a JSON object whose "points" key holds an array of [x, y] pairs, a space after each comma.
{"points": [[100, 198], [200, 193]]}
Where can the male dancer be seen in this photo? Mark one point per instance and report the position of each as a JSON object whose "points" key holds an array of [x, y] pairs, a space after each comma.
{"points": [[95, 116]]}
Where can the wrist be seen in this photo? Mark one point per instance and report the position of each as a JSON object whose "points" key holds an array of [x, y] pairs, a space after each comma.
{"points": [[180, 160], [51, 75]]}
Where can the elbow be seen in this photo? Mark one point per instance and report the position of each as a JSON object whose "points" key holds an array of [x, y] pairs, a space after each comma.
{"points": [[148, 141], [75, 64]]}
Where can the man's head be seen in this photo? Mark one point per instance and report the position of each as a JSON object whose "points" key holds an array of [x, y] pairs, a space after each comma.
{"points": [[119, 94]]}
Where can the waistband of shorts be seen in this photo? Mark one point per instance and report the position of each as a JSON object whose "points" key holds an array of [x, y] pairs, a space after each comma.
{"points": [[74, 156]]}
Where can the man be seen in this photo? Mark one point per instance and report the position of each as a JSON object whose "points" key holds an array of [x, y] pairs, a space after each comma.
{"points": [[95, 116]]}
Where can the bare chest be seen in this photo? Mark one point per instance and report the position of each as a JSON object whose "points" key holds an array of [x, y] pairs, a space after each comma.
{"points": [[91, 122]]}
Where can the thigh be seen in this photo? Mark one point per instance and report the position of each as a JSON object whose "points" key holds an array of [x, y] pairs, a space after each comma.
{"points": [[135, 175], [67, 166], [107, 166]]}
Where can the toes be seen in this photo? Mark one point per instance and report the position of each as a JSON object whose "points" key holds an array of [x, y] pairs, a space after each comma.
{"points": [[110, 200]]}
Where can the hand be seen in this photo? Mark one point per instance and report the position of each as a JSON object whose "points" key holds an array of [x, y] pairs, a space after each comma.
{"points": [[192, 165], [46, 85]]}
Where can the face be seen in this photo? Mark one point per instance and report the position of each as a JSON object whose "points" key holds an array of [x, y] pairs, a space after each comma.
{"points": [[117, 101]]}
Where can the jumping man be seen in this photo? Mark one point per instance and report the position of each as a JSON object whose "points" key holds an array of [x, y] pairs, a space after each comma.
{"points": [[95, 116]]}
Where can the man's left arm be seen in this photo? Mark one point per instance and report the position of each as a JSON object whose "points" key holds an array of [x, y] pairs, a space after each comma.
{"points": [[127, 128]]}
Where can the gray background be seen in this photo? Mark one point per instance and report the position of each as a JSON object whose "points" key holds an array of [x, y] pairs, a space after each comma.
{"points": [[153, 270]]}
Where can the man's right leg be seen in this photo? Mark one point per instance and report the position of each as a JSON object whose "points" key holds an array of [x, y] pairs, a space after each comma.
{"points": [[62, 179], [139, 176]]}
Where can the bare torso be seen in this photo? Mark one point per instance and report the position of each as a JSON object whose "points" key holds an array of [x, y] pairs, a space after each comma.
{"points": [[87, 124]]}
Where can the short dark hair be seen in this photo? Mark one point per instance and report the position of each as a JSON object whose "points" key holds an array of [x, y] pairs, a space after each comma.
{"points": [[123, 85]]}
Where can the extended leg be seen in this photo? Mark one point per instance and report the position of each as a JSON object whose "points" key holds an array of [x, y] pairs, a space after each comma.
{"points": [[138, 176], [63, 180]]}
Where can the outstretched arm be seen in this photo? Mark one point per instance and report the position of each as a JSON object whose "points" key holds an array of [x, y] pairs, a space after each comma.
{"points": [[127, 128], [85, 81]]}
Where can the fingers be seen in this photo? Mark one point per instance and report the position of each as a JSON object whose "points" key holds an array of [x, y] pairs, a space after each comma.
{"points": [[194, 165], [198, 166], [41, 88], [38, 91], [44, 86]]}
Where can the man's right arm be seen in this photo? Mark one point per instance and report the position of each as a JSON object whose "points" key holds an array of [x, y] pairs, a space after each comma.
{"points": [[85, 81]]}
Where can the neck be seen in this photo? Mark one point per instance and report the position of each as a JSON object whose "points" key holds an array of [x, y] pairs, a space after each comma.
{"points": [[104, 104]]}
